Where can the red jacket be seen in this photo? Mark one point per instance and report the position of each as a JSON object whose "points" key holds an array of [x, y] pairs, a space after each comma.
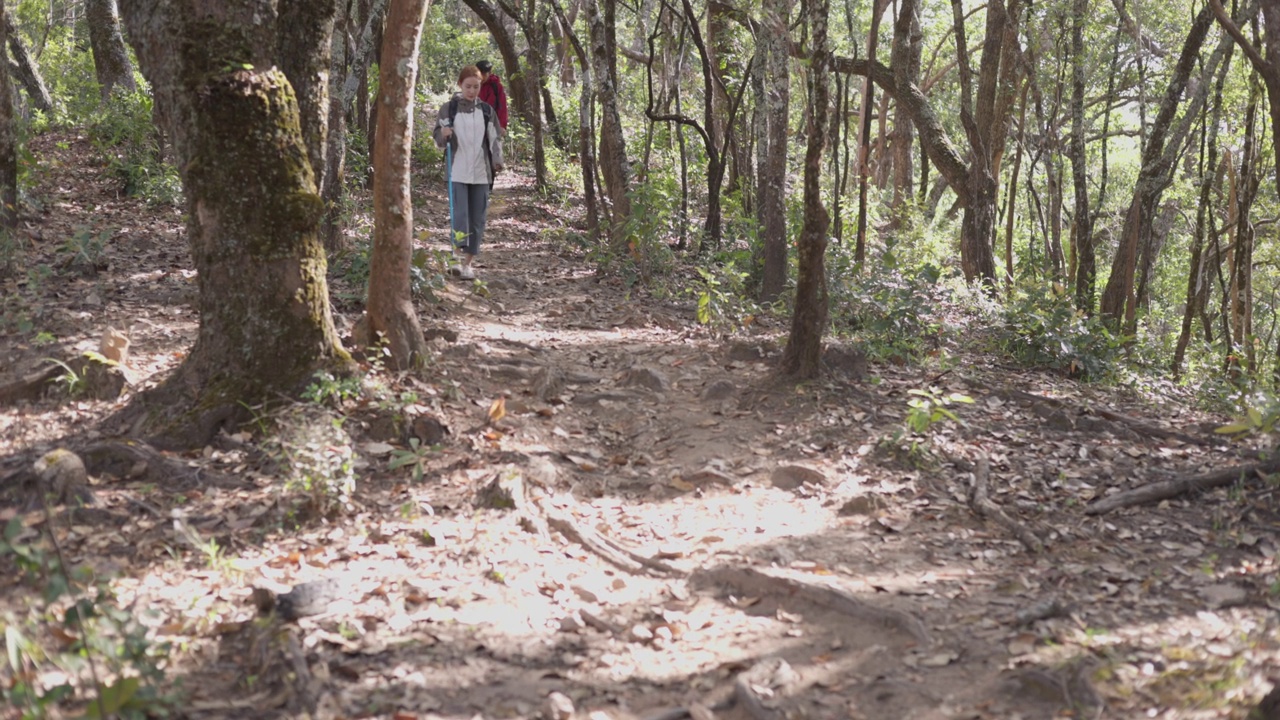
{"points": [[492, 92]]}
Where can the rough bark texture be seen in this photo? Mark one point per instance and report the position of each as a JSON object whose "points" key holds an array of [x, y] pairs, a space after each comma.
{"points": [[1268, 67], [25, 69], [303, 48], [613, 146], [803, 353], [1086, 265], [253, 214], [908, 43], [771, 195], [333, 183], [1119, 298], [110, 58], [8, 151], [390, 308]]}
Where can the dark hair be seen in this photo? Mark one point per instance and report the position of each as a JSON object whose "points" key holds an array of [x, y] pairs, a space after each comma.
{"points": [[485, 66]]}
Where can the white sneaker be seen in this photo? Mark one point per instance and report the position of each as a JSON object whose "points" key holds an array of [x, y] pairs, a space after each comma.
{"points": [[466, 272]]}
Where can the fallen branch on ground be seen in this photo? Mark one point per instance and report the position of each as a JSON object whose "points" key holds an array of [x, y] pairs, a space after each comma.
{"points": [[1166, 489], [983, 507]]}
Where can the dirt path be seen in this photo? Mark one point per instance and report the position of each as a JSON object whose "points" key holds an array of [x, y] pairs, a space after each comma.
{"points": [[628, 515]]}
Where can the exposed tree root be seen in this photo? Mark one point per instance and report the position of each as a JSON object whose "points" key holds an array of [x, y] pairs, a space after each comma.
{"points": [[983, 507], [1166, 489], [752, 581], [607, 548], [133, 459]]}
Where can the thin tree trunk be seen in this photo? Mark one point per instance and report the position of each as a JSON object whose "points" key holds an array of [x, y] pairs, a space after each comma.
{"points": [[1086, 266], [864, 136], [333, 188], [390, 308], [25, 69], [8, 152], [771, 195], [908, 44], [613, 147], [802, 357], [110, 58]]}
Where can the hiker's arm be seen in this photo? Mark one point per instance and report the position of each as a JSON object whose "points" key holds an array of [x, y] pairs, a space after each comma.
{"points": [[442, 130], [495, 146]]}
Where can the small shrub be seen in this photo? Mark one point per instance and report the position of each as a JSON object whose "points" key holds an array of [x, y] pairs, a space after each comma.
{"points": [[125, 135], [317, 461], [1042, 328], [892, 314]]}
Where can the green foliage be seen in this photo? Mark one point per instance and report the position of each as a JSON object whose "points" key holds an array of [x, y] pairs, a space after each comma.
{"points": [[648, 231], [1041, 327], [415, 458], [893, 315], [722, 300], [358, 163], [447, 46], [326, 389], [124, 134], [85, 247], [1260, 415], [931, 406], [317, 461], [71, 381], [82, 633]]}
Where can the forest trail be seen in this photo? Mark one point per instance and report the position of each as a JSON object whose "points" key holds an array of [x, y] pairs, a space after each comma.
{"points": [[631, 515]]}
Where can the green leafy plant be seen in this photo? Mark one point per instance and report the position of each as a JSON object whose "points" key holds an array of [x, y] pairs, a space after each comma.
{"points": [[73, 382], [1042, 328], [317, 460], [893, 315], [327, 389], [931, 406], [93, 642], [722, 302], [415, 458], [85, 247]]}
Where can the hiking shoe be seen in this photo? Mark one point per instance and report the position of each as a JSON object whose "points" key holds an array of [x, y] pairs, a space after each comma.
{"points": [[466, 273]]}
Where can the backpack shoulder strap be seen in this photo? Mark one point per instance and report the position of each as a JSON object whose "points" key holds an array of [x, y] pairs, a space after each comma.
{"points": [[453, 108]]}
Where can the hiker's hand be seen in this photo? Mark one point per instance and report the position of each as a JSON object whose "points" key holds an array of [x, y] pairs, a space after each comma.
{"points": [[446, 133], [499, 167]]}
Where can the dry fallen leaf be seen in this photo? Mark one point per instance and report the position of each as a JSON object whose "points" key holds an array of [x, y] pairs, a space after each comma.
{"points": [[498, 409]]}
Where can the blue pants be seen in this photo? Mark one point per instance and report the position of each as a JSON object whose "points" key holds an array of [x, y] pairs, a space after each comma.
{"points": [[470, 205]]}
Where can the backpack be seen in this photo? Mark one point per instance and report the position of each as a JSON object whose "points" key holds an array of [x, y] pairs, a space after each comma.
{"points": [[488, 120]]}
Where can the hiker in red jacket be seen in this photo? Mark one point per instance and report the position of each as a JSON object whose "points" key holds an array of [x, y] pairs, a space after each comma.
{"points": [[492, 92]]}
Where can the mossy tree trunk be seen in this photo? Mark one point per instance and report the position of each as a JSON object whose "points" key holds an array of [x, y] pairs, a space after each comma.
{"points": [[253, 213], [110, 59], [390, 307], [802, 357]]}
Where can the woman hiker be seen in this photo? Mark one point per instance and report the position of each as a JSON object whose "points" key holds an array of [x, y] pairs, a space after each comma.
{"points": [[468, 127]]}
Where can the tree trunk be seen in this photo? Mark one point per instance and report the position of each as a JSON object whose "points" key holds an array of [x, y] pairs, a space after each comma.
{"points": [[8, 151], [864, 136], [1198, 275], [390, 308], [1086, 264], [1163, 145], [304, 49], [333, 187], [253, 215], [772, 193], [613, 146], [110, 58], [25, 69], [586, 137], [803, 354], [908, 43]]}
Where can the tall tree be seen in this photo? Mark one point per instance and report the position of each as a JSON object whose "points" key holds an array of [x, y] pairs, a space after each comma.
{"points": [[8, 151], [1267, 66], [1120, 298], [390, 307], [613, 146], [253, 210], [1082, 231], [803, 354], [771, 195], [110, 58]]}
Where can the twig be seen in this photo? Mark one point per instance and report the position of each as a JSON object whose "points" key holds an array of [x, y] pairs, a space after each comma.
{"points": [[606, 548], [983, 507], [1166, 489]]}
